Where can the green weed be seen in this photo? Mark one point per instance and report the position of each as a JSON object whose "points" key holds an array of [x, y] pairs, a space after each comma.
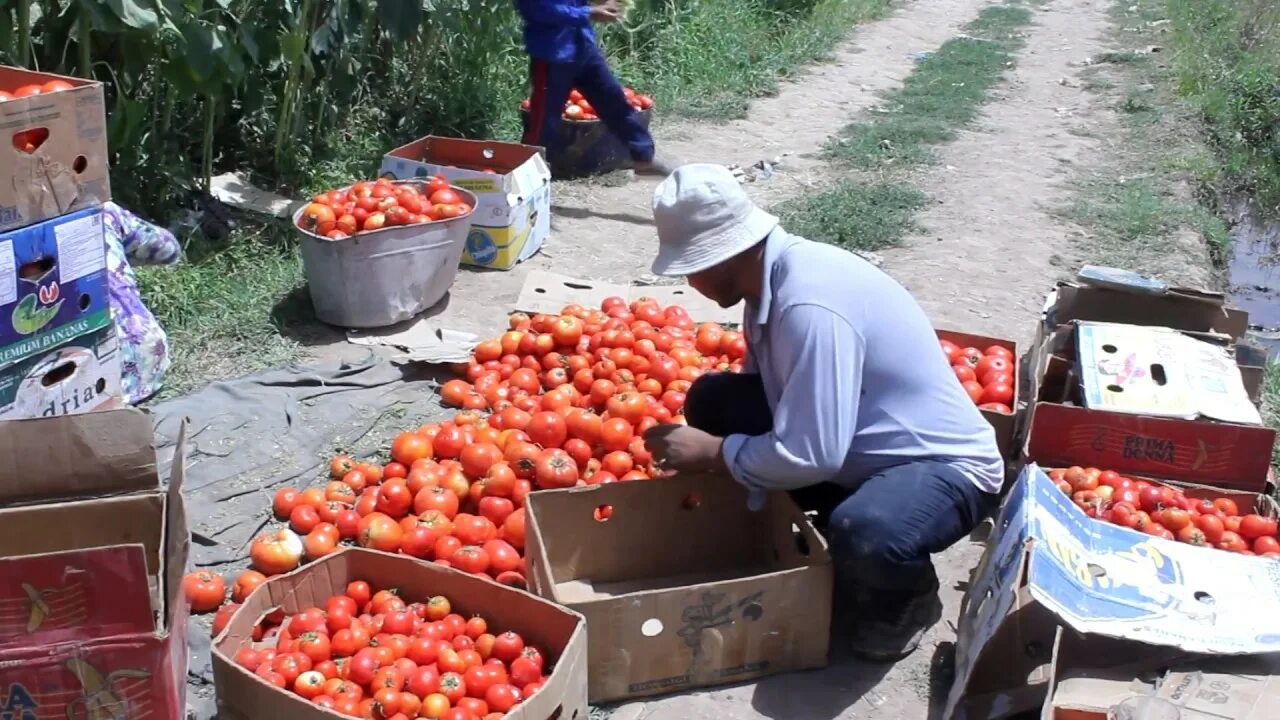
{"points": [[1227, 54]]}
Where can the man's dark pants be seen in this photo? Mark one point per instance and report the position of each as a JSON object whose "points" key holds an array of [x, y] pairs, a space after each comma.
{"points": [[590, 74], [883, 528]]}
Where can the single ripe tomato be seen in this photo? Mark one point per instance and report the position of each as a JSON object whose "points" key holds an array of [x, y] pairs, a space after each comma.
{"points": [[204, 590]]}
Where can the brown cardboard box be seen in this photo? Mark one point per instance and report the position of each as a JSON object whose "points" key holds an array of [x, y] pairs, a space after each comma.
{"points": [[68, 170], [1005, 424], [1061, 431], [683, 586], [559, 632], [1244, 689], [1090, 684], [1184, 309], [94, 455], [92, 619]]}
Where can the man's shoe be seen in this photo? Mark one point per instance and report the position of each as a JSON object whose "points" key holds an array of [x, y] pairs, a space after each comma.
{"points": [[888, 634], [657, 167]]}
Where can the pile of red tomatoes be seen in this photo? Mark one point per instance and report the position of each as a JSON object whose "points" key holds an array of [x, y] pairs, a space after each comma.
{"points": [[556, 401], [987, 375], [371, 654], [1166, 512], [368, 206], [580, 109]]}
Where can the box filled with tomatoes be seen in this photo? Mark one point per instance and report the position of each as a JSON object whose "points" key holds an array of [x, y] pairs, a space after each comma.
{"points": [[56, 159], [988, 369], [584, 145], [1048, 564], [682, 585], [92, 618], [512, 185], [363, 633]]}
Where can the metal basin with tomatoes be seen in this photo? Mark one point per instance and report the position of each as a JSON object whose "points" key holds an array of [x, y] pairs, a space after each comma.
{"points": [[378, 277]]}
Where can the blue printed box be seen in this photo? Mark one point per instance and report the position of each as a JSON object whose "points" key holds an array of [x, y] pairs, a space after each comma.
{"points": [[53, 284]]}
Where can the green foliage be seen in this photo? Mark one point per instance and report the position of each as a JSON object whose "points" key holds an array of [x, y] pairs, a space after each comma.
{"points": [[1228, 58], [306, 93]]}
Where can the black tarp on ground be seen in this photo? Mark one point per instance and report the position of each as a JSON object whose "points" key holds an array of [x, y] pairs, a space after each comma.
{"points": [[251, 436]]}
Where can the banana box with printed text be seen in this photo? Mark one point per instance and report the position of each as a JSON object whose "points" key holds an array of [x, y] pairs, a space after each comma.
{"points": [[53, 284], [1133, 596], [512, 184], [92, 617]]}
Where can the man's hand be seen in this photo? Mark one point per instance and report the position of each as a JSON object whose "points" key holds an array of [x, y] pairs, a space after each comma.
{"points": [[679, 447], [605, 12]]}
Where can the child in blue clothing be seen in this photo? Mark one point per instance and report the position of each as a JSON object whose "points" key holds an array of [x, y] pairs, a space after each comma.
{"points": [[563, 55]]}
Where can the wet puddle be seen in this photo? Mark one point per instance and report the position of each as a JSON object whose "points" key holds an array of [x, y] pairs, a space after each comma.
{"points": [[1254, 277]]}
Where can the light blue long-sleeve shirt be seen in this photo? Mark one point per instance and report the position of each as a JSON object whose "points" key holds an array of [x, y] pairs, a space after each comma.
{"points": [[855, 377]]}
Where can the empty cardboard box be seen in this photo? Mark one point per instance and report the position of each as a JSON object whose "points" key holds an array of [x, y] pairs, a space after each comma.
{"points": [[682, 586]]}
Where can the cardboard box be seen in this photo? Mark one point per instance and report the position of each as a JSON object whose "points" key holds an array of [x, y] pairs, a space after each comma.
{"points": [[1047, 564], [1062, 431], [1005, 425], [1090, 685], [53, 284], [1160, 372], [108, 443], [92, 620], [81, 376], [1118, 296], [1111, 296], [68, 169], [512, 185], [683, 586], [558, 632]]}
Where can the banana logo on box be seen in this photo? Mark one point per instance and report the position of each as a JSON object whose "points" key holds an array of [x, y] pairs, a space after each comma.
{"points": [[100, 701]]}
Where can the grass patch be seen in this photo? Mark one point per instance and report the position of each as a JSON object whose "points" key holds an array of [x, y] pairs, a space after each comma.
{"points": [[942, 95], [228, 309], [853, 215], [1227, 55], [1149, 206], [874, 205]]}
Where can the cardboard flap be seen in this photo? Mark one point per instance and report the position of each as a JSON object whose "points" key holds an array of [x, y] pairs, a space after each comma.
{"points": [[177, 538], [1102, 579], [694, 528], [1161, 372], [93, 454], [1178, 308]]}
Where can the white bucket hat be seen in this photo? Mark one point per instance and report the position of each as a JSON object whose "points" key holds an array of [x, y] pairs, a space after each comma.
{"points": [[704, 217]]}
